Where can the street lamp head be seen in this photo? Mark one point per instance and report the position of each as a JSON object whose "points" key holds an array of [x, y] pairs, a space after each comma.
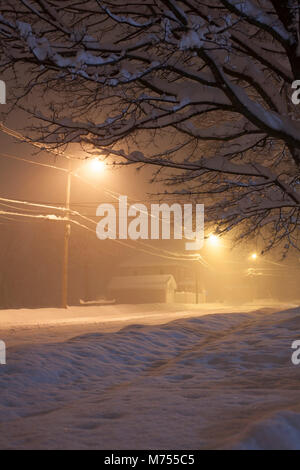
{"points": [[213, 240], [96, 165], [254, 256]]}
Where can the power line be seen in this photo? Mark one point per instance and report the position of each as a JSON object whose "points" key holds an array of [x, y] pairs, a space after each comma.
{"points": [[25, 160], [113, 194], [161, 253], [45, 147], [53, 217]]}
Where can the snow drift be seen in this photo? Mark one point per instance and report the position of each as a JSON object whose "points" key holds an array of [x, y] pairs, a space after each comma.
{"points": [[215, 381]]}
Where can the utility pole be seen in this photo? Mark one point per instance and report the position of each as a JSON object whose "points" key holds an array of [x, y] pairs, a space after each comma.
{"points": [[197, 284], [66, 242]]}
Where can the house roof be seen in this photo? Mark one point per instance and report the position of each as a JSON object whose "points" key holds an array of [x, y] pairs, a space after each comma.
{"points": [[159, 281]]}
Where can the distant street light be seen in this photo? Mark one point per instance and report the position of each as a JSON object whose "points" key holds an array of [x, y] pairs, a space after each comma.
{"points": [[254, 256]]}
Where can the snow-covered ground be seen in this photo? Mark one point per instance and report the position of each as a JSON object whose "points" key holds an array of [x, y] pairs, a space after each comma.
{"points": [[144, 377]]}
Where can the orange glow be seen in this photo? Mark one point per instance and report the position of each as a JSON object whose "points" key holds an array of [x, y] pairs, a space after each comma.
{"points": [[96, 165], [254, 256], [213, 240]]}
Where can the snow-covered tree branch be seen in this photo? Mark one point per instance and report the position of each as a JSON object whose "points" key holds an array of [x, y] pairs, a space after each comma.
{"points": [[201, 88]]}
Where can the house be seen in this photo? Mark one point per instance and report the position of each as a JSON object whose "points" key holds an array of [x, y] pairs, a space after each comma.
{"points": [[187, 276], [158, 288], [141, 265]]}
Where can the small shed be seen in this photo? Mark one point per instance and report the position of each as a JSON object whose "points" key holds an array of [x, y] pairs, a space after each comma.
{"points": [[143, 289]]}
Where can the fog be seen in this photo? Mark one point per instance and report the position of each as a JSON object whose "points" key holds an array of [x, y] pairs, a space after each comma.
{"points": [[31, 251]]}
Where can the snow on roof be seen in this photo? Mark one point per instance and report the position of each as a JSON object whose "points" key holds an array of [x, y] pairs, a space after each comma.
{"points": [[160, 281]]}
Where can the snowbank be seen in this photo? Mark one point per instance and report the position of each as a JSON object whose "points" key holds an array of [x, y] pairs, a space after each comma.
{"points": [[281, 431], [215, 381]]}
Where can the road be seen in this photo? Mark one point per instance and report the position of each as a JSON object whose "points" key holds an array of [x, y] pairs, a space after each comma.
{"points": [[47, 325]]}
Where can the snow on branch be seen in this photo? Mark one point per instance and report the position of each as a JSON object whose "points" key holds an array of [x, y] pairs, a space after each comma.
{"points": [[199, 89], [248, 10]]}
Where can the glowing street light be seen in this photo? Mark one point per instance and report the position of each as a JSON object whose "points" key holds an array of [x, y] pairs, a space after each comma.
{"points": [[254, 257], [213, 240], [96, 165]]}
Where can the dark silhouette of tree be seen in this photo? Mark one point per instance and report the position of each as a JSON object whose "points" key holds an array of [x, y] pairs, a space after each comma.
{"points": [[209, 83]]}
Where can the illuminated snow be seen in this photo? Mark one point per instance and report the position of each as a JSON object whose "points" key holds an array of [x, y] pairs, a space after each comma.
{"points": [[148, 377]]}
